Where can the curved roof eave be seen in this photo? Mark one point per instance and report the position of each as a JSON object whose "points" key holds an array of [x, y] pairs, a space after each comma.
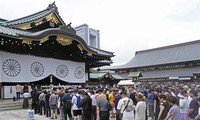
{"points": [[55, 31], [12, 32], [36, 36], [102, 52]]}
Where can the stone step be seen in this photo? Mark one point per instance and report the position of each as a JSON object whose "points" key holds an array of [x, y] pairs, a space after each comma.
{"points": [[11, 108], [11, 105], [6, 105]]}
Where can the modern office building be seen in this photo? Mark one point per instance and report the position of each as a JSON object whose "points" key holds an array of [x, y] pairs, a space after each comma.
{"points": [[89, 35]]}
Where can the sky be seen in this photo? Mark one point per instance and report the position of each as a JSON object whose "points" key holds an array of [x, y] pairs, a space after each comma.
{"points": [[126, 26]]}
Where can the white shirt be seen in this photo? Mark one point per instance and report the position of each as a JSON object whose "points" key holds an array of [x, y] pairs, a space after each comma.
{"points": [[128, 114], [18, 88], [93, 97], [26, 95], [184, 105], [140, 109], [74, 101]]}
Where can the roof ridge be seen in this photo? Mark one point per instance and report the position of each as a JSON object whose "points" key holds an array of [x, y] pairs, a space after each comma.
{"points": [[51, 7], [168, 46]]}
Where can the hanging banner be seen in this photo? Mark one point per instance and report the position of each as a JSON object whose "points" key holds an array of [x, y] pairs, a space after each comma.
{"points": [[26, 68]]}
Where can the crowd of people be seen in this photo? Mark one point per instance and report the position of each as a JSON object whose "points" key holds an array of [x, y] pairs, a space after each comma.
{"points": [[150, 101]]}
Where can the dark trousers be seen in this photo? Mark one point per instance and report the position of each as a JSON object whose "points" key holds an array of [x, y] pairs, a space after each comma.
{"points": [[151, 113], [38, 107], [104, 115], [18, 95], [146, 114], [117, 116], [47, 110], [156, 114], [25, 103], [94, 113], [42, 107], [34, 106], [67, 112], [87, 115]]}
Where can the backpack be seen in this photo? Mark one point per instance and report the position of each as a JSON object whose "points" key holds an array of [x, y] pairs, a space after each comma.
{"points": [[78, 101], [68, 102], [109, 106]]}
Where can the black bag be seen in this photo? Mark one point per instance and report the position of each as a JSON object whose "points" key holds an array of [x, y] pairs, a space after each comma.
{"points": [[109, 106], [67, 104]]}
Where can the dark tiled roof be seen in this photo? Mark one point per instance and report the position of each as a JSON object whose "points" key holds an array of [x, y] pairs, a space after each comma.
{"points": [[165, 55], [30, 18], [177, 53], [6, 31], [100, 75], [17, 33], [2, 20], [101, 51]]}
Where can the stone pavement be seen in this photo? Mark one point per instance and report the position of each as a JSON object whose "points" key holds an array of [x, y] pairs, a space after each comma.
{"points": [[22, 115], [19, 115]]}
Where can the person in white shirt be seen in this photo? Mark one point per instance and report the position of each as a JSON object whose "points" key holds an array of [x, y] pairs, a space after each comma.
{"points": [[93, 97], [18, 91], [140, 108], [77, 112], [126, 107], [184, 105], [25, 102]]}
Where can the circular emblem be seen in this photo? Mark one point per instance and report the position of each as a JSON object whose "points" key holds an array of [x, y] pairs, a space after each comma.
{"points": [[37, 69], [11, 67], [62, 71], [79, 72]]}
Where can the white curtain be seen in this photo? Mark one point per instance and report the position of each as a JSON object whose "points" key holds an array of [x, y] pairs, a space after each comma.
{"points": [[26, 68]]}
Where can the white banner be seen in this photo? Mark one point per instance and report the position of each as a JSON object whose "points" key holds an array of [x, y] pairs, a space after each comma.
{"points": [[26, 68]]}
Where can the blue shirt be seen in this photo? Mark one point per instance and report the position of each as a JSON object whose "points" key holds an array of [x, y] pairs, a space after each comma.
{"points": [[117, 98], [150, 99]]}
